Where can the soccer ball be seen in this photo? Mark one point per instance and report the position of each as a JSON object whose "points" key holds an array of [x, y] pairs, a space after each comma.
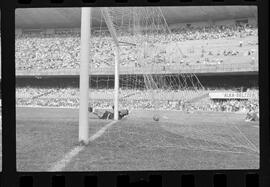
{"points": [[156, 118]]}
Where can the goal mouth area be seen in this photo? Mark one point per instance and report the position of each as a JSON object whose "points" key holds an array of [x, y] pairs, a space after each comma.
{"points": [[189, 131]]}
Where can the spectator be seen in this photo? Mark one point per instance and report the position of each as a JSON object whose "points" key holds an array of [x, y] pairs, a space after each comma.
{"points": [[43, 52]]}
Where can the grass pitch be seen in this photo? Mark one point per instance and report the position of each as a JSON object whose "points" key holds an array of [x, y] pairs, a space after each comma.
{"points": [[178, 141]]}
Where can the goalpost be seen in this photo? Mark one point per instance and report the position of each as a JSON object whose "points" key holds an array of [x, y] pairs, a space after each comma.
{"points": [[84, 74], [84, 71], [112, 31]]}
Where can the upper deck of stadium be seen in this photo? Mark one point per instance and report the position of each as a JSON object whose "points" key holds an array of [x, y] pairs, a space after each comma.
{"points": [[61, 18], [70, 17]]}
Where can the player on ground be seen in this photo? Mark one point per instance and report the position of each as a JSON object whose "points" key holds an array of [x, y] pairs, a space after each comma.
{"points": [[108, 114]]}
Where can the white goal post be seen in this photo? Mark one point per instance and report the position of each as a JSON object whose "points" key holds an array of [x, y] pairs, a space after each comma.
{"points": [[84, 70], [112, 31], [84, 74]]}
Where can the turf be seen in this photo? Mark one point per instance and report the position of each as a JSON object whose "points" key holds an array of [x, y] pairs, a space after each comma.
{"points": [[179, 141]]}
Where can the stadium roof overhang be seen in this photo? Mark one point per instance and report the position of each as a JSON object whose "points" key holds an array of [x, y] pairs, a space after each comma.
{"points": [[70, 17]]}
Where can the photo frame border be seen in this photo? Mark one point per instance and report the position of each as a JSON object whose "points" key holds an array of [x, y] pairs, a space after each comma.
{"points": [[10, 177]]}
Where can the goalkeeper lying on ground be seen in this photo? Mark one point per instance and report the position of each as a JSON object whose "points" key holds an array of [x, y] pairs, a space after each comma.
{"points": [[106, 114]]}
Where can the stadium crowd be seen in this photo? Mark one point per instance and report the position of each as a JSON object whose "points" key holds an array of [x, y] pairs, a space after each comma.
{"points": [[131, 99], [61, 51], [214, 32], [229, 106]]}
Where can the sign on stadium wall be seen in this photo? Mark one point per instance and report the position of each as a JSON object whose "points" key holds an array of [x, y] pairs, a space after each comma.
{"points": [[232, 95]]}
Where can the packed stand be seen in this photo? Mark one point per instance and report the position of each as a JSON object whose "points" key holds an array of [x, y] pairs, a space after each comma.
{"points": [[132, 99], [214, 32], [60, 51]]}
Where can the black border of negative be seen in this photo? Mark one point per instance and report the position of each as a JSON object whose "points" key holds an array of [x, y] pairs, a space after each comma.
{"points": [[212, 178]]}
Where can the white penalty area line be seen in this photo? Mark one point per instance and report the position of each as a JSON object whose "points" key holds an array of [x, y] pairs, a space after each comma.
{"points": [[61, 164], [101, 131]]}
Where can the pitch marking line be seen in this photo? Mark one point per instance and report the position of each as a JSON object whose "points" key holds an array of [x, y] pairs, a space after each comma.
{"points": [[60, 165], [101, 131]]}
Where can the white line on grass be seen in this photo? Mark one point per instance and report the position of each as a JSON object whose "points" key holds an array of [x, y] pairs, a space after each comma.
{"points": [[60, 165], [101, 131]]}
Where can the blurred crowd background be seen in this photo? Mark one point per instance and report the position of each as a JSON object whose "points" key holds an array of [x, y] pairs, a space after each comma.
{"points": [[206, 45]]}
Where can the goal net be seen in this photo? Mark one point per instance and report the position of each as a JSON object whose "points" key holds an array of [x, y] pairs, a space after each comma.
{"points": [[154, 76], [149, 53]]}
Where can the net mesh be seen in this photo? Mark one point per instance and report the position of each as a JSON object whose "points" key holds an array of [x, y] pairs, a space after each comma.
{"points": [[146, 82], [145, 62]]}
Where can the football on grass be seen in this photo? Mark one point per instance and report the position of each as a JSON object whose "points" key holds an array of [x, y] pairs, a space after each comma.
{"points": [[156, 118]]}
